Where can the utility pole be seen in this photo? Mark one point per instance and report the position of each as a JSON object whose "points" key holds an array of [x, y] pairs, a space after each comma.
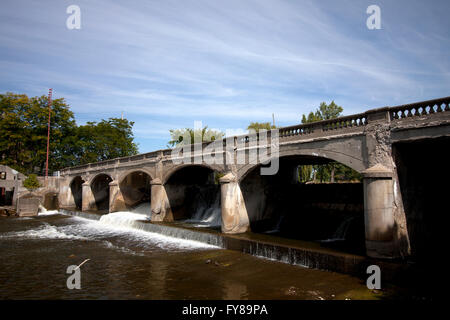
{"points": [[273, 120], [48, 132]]}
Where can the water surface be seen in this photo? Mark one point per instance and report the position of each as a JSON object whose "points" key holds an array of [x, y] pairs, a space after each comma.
{"points": [[132, 264]]}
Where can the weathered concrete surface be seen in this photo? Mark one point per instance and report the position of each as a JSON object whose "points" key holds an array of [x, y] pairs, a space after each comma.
{"points": [[379, 212], [234, 212], [117, 201], [382, 199], [159, 204], [28, 205], [88, 198]]}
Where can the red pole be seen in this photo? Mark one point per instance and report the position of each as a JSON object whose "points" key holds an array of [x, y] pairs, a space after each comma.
{"points": [[48, 133]]}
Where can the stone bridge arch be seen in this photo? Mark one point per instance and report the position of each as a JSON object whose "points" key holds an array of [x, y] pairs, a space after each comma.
{"points": [[96, 192], [131, 188], [170, 171], [176, 195], [76, 191], [352, 160]]}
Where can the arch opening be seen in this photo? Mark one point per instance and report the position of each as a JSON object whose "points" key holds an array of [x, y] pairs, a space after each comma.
{"points": [[50, 201], [100, 191], [136, 192], [423, 195], [76, 187], [194, 196], [310, 198]]}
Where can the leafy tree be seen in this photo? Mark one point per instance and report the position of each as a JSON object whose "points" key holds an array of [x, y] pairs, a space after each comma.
{"points": [[332, 171], [260, 125], [23, 127], [105, 140], [190, 136], [31, 182], [324, 112]]}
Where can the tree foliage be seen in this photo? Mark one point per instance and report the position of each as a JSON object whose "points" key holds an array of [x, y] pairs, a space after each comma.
{"points": [[333, 171], [23, 127], [105, 140], [31, 183], [260, 125], [189, 136], [324, 112]]}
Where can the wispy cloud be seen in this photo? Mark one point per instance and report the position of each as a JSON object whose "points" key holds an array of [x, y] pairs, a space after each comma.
{"points": [[168, 63]]}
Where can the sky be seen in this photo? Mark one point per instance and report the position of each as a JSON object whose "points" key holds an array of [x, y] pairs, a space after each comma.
{"points": [[165, 64]]}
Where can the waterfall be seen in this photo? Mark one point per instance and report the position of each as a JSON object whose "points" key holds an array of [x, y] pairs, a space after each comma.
{"points": [[123, 219], [142, 208], [341, 232], [45, 212], [207, 214], [277, 226]]}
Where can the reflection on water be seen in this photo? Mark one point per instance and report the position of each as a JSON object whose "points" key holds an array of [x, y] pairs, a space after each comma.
{"points": [[134, 264]]}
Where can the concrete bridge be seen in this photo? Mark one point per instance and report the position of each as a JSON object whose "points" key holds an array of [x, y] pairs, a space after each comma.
{"points": [[365, 142]]}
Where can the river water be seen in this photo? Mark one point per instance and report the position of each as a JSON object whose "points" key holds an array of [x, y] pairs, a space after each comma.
{"points": [[131, 264]]}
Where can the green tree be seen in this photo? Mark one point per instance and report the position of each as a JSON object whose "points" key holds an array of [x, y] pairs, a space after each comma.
{"points": [[31, 183], [189, 136], [23, 127], [324, 112], [105, 140], [260, 125], [332, 171]]}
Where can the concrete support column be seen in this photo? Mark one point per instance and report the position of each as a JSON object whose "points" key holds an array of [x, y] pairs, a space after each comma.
{"points": [[234, 213], [379, 212], [65, 198], [116, 201], [88, 200], [159, 204]]}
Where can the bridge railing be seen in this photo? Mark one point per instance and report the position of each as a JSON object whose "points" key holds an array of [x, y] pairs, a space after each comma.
{"points": [[318, 128], [351, 121], [419, 108]]}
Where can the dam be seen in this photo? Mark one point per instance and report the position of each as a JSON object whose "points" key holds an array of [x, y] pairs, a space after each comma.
{"points": [[203, 193]]}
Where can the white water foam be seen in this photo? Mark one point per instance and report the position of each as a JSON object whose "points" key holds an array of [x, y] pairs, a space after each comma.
{"points": [[128, 222], [46, 231], [142, 208], [208, 216], [45, 212], [118, 230], [126, 225], [123, 219]]}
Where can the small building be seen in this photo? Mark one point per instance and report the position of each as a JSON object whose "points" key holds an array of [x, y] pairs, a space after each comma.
{"points": [[10, 183]]}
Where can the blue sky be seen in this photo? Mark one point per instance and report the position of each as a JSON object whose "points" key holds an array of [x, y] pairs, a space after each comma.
{"points": [[168, 63]]}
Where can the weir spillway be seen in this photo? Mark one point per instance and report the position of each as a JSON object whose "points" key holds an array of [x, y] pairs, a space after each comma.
{"points": [[295, 252]]}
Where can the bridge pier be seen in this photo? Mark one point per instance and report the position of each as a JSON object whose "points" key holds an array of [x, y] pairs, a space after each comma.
{"points": [[379, 219], [159, 204], [88, 200], [234, 213], [116, 200]]}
